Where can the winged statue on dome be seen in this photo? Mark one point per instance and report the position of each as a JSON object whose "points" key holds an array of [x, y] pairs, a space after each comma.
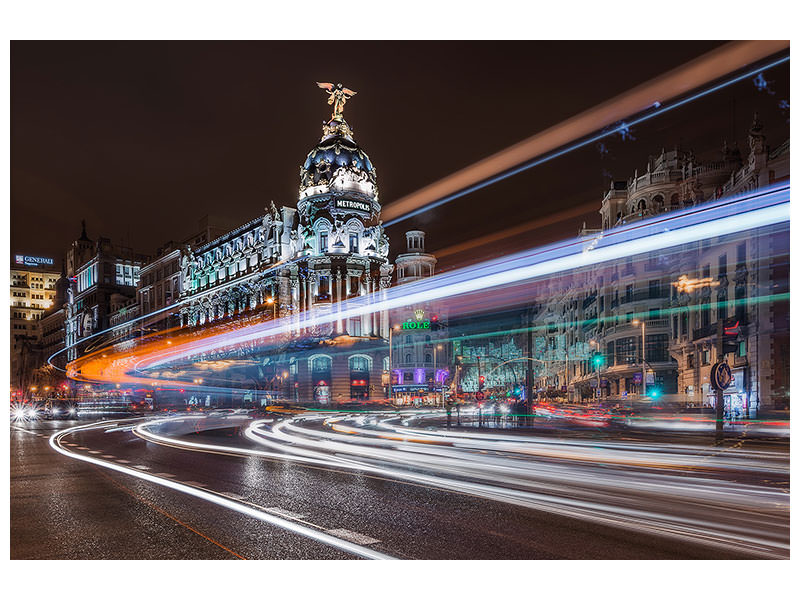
{"points": [[338, 95]]}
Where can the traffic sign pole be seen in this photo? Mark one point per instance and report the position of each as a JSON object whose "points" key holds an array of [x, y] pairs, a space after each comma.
{"points": [[720, 393]]}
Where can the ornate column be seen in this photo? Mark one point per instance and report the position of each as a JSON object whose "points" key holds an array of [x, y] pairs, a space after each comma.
{"points": [[337, 298]]}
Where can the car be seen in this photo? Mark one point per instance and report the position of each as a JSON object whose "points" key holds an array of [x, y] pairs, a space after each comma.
{"points": [[60, 409]]}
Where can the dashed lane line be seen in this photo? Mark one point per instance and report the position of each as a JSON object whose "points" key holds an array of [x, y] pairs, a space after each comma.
{"points": [[286, 513], [353, 536]]}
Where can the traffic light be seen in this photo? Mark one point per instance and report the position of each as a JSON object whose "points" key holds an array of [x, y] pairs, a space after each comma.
{"points": [[481, 381], [598, 360], [731, 328]]}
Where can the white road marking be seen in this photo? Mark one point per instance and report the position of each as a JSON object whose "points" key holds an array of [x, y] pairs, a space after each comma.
{"points": [[109, 456], [285, 513], [167, 475], [219, 499], [352, 536], [123, 461], [82, 448], [142, 467], [94, 452]]}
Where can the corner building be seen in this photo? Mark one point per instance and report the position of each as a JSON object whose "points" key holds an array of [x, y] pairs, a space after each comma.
{"points": [[301, 263]]}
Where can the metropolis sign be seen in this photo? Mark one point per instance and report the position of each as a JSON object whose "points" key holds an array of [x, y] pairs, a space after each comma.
{"points": [[32, 261], [352, 204]]}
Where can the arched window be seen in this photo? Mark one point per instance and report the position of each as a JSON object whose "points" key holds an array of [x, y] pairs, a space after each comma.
{"points": [[359, 363], [428, 359], [642, 206], [674, 202], [408, 339], [320, 362], [385, 363], [658, 203], [408, 358]]}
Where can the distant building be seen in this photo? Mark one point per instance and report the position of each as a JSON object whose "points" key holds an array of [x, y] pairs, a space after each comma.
{"points": [[103, 279], [420, 357], [595, 309], [33, 290]]}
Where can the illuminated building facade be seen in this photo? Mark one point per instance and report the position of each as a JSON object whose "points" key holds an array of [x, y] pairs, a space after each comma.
{"points": [[33, 290], [420, 356], [595, 311], [103, 280], [304, 261]]}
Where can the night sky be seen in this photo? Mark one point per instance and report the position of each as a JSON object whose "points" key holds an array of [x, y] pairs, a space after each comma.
{"points": [[142, 139]]}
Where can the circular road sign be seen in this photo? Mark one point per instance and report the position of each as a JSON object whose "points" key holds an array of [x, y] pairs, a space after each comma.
{"points": [[721, 376]]}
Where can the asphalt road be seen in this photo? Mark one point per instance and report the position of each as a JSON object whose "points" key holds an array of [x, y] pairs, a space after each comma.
{"points": [[62, 508]]}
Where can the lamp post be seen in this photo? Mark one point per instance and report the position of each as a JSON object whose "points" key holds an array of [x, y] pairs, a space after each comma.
{"points": [[644, 369], [271, 300], [391, 364], [596, 361], [435, 348]]}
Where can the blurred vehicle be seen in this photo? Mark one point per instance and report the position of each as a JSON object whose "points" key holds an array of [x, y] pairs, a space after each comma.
{"points": [[28, 410], [56, 408], [284, 409]]}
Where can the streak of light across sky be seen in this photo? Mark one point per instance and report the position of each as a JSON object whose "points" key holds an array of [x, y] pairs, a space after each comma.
{"points": [[620, 113]]}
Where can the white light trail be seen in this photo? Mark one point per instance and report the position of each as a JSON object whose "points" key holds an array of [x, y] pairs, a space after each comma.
{"points": [[562, 477], [760, 209], [217, 499]]}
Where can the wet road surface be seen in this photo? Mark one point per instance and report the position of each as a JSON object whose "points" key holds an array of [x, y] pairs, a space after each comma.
{"points": [[66, 508]]}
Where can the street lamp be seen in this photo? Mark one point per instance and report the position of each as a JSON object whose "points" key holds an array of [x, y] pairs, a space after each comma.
{"points": [[644, 372], [271, 300]]}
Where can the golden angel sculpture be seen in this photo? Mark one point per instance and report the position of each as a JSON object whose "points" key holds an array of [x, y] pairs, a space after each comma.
{"points": [[337, 96]]}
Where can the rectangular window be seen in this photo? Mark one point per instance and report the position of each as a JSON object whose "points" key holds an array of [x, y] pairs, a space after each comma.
{"points": [[705, 316], [354, 243], [657, 348], [323, 242], [722, 267], [655, 288], [741, 349], [629, 293], [741, 254]]}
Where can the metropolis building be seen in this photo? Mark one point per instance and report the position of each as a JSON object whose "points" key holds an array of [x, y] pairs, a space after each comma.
{"points": [[302, 262]]}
